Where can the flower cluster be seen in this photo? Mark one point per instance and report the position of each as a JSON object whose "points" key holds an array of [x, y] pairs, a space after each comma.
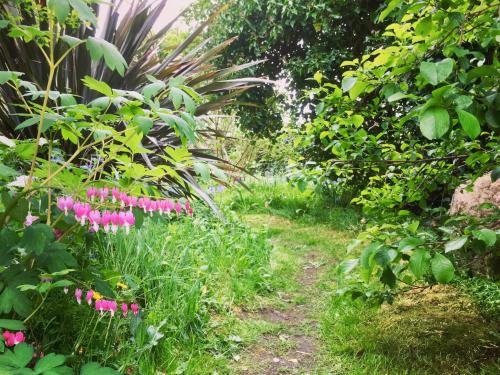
{"points": [[13, 338], [112, 220], [103, 305]]}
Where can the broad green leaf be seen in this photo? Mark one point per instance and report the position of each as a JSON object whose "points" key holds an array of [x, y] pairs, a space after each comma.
{"points": [[389, 9], [419, 262], [469, 122], [49, 362], [455, 244], [36, 238], [84, 11], [99, 48], [70, 40], [435, 73], [145, 124], [202, 170], [347, 266], [152, 89], [98, 86], [348, 83], [68, 100], [13, 299], [176, 97], [397, 96], [7, 75], [488, 236], [60, 9], [442, 268], [7, 172], [11, 324], [388, 277], [409, 243], [434, 122]]}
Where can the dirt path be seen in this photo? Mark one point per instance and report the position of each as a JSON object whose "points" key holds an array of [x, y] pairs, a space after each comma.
{"points": [[291, 344]]}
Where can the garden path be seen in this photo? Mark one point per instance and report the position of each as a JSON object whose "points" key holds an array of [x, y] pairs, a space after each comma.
{"points": [[302, 256]]}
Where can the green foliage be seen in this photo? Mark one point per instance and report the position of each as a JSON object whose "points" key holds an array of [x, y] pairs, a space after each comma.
{"points": [[296, 39]]}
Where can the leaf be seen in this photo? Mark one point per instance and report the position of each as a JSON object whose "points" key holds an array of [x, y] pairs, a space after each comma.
{"points": [[435, 73], [388, 277], [397, 96], [488, 236], [98, 86], [70, 40], [13, 299], [442, 268], [455, 244], [388, 10], [7, 75], [36, 238], [202, 170], [152, 89], [419, 262], [470, 123], [60, 9], [348, 83], [29, 122], [495, 174], [7, 172], [410, 243], [84, 11], [11, 324], [49, 362], [99, 48], [347, 266], [176, 97], [434, 122], [145, 124]]}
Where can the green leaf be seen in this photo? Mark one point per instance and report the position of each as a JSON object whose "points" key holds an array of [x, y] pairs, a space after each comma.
{"points": [[99, 48], [388, 10], [470, 123], [7, 172], [347, 266], [98, 86], [434, 122], [442, 268], [202, 170], [435, 73], [176, 97], [84, 11], [70, 40], [348, 83], [419, 262], [455, 244], [49, 362], [397, 96], [495, 174], [409, 243], [60, 9], [388, 277], [152, 89], [28, 122], [13, 299], [36, 238], [68, 100], [7, 75], [145, 124], [11, 324], [488, 236]]}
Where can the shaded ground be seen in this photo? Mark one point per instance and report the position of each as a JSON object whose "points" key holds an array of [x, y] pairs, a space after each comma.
{"points": [[302, 328]]}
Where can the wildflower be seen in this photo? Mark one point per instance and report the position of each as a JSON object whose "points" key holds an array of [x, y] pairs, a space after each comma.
{"points": [[66, 290], [135, 308], [12, 338], [95, 219], [115, 192], [102, 193], [89, 296], [188, 208], [129, 221], [30, 219], [124, 309], [78, 295], [81, 211], [132, 202], [65, 204], [91, 193], [112, 307], [178, 208], [97, 296], [115, 222], [105, 220], [121, 285], [153, 206], [58, 233], [124, 199], [99, 305]]}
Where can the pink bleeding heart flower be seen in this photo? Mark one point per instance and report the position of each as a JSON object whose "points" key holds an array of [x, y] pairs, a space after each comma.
{"points": [[115, 222], [91, 193], [132, 202], [129, 221], [81, 211], [144, 203], [12, 338], [30, 219], [99, 305], [188, 208], [89, 296], [19, 338], [135, 308], [78, 295], [95, 219], [112, 307], [115, 192], [102, 193], [153, 206], [124, 309], [178, 208], [65, 204], [105, 220], [124, 199]]}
